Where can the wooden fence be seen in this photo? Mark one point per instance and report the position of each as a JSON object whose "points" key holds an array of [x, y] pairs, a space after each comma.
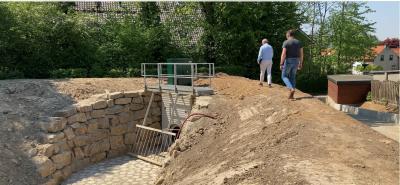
{"points": [[385, 92]]}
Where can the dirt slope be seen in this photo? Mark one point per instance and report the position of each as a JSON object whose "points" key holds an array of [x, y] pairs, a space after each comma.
{"points": [[260, 137], [23, 102]]}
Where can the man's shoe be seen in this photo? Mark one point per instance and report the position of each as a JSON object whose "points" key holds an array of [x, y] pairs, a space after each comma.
{"points": [[291, 94], [269, 85], [260, 84]]}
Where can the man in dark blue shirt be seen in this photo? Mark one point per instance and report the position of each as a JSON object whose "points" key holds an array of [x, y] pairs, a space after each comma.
{"points": [[291, 61]]}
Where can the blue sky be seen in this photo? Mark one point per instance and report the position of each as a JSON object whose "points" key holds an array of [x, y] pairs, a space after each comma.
{"points": [[387, 18]]}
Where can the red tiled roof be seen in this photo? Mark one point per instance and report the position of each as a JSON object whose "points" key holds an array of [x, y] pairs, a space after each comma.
{"points": [[377, 49], [396, 50]]}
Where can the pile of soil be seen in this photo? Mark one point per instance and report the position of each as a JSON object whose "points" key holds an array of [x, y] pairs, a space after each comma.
{"points": [[261, 137], [23, 102], [379, 107]]}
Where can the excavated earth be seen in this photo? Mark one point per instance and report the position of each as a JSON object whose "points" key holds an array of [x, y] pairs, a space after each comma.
{"points": [[260, 137]]}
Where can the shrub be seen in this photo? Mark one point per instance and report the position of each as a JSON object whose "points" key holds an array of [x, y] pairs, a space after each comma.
{"points": [[11, 74], [369, 96], [69, 73], [370, 67], [232, 70], [115, 73]]}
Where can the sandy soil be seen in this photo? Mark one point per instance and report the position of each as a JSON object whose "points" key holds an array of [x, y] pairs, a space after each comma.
{"points": [[378, 107], [260, 137], [23, 102]]}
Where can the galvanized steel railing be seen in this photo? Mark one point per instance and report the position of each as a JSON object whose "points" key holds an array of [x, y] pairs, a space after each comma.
{"points": [[197, 71]]}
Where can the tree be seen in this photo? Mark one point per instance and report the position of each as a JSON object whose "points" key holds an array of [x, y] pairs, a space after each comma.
{"points": [[351, 33]]}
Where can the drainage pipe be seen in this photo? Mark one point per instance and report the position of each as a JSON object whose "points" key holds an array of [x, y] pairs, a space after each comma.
{"points": [[193, 114]]}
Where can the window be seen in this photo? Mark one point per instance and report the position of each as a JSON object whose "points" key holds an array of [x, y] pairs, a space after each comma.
{"points": [[394, 67], [391, 57], [382, 57]]}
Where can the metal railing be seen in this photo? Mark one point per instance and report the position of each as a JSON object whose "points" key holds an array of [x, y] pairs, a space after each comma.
{"points": [[175, 72], [152, 144]]}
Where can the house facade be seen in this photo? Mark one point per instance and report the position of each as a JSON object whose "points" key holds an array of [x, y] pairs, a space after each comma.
{"points": [[386, 57]]}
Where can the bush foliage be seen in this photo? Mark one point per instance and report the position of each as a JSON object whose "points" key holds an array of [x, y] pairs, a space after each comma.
{"points": [[52, 40]]}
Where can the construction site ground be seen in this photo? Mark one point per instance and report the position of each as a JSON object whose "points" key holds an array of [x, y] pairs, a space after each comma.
{"points": [[260, 137]]}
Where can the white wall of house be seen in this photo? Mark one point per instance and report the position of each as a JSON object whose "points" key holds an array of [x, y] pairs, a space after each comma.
{"points": [[388, 59]]}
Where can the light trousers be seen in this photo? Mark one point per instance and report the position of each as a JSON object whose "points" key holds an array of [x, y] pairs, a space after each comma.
{"points": [[265, 65]]}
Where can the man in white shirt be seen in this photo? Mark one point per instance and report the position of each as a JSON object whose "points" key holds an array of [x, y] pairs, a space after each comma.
{"points": [[265, 61]]}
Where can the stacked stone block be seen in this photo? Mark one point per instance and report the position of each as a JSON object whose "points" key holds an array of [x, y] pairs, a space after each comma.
{"points": [[91, 131]]}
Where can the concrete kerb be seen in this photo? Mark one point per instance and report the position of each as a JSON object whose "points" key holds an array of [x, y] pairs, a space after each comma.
{"points": [[384, 117]]}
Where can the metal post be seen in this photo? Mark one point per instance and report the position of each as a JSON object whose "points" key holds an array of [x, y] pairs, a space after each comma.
{"points": [[158, 76], [191, 66], [148, 108], [175, 80], [144, 77], [209, 74]]}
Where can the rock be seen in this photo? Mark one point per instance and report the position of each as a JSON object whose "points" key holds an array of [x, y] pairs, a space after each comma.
{"points": [[82, 140], [119, 129], [70, 144], [137, 115], [78, 153], [115, 109], [63, 146], [79, 128], [88, 115], [44, 165], [99, 134], [131, 94], [115, 95], [58, 176], [98, 113], [98, 157], [122, 101], [137, 100], [100, 104], [79, 117], [53, 124], [113, 119], [69, 133], [132, 126], [66, 171], [66, 112], [117, 142], [135, 106], [48, 149], [103, 123], [97, 147], [129, 138], [84, 106], [110, 103], [52, 138], [62, 159], [156, 111], [92, 126], [125, 117]]}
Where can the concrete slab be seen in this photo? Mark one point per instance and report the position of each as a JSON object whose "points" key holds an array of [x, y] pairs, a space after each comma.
{"points": [[389, 129]]}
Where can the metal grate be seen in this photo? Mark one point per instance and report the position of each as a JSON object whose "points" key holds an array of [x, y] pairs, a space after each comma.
{"points": [[152, 144]]}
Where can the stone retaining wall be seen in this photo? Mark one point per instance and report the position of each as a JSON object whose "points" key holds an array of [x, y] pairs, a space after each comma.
{"points": [[92, 130]]}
